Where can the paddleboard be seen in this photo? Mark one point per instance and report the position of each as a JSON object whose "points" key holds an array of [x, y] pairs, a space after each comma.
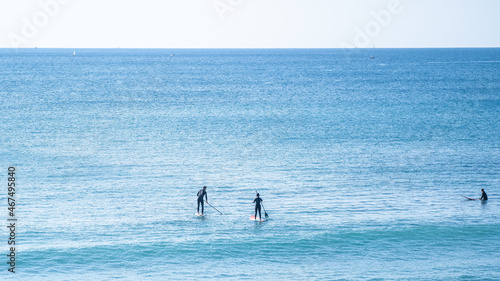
{"points": [[469, 198], [252, 218], [200, 215]]}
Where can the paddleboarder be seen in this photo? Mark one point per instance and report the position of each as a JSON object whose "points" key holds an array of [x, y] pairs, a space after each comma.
{"points": [[484, 197], [201, 193], [257, 206]]}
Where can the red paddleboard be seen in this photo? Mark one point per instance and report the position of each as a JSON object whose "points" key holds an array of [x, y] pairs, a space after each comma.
{"points": [[252, 218]]}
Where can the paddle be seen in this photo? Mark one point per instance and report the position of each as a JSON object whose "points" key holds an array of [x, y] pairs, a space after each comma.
{"points": [[214, 208], [265, 213]]}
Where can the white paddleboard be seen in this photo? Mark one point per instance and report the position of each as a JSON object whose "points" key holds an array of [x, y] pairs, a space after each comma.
{"points": [[252, 218]]}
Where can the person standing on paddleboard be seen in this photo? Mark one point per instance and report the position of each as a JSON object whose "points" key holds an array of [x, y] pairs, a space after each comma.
{"points": [[484, 197], [201, 193], [257, 206]]}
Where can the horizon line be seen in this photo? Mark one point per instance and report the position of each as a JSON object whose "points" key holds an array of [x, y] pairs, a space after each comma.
{"points": [[254, 48]]}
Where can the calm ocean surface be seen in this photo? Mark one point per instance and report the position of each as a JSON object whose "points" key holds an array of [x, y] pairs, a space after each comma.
{"points": [[361, 163]]}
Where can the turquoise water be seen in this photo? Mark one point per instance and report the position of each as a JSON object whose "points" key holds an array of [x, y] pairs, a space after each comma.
{"points": [[361, 163]]}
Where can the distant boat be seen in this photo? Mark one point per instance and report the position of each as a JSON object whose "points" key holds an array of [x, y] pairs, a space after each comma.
{"points": [[74, 53]]}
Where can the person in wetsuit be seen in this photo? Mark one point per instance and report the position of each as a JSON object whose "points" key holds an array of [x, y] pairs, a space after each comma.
{"points": [[201, 193], [484, 197], [257, 206]]}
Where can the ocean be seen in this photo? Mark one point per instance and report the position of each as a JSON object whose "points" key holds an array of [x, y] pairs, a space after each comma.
{"points": [[361, 157]]}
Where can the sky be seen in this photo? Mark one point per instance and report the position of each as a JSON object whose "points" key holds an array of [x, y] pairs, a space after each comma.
{"points": [[249, 23]]}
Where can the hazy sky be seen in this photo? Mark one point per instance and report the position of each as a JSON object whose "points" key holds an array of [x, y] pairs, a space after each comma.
{"points": [[249, 23]]}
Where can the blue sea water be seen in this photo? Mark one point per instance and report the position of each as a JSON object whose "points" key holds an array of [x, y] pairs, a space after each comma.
{"points": [[361, 163]]}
